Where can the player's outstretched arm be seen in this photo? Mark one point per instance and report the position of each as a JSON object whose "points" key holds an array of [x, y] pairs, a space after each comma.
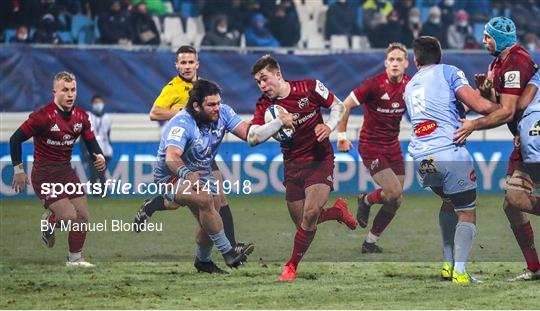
{"points": [[258, 134], [527, 96], [15, 147], [161, 114], [472, 99], [504, 114], [344, 145]]}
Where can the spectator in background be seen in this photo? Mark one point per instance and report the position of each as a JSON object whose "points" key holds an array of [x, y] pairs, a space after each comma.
{"points": [[236, 11], [458, 32], [414, 25], [434, 27], [46, 31], [525, 15], [155, 7], [391, 31], [531, 42], [114, 25], [258, 35], [471, 44], [403, 8], [478, 10], [21, 36], [340, 19], [144, 29], [372, 7], [448, 12], [284, 24], [219, 33], [101, 126]]}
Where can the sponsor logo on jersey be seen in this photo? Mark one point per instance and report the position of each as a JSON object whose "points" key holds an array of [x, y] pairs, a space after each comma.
{"points": [[330, 178], [321, 90], [374, 164], [299, 121], [176, 133], [462, 77], [77, 127], [66, 137], [425, 128], [395, 105], [512, 80], [302, 102], [473, 175], [535, 130], [427, 166], [55, 128], [385, 97]]}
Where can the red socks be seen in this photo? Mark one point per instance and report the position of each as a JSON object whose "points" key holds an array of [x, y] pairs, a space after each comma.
{"points": [[375, 197], [381, 221], [329, 214], [302, 240], [525, 237], [76, 241]]}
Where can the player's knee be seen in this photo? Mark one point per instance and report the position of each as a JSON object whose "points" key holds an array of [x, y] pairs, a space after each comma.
{"points": [[66, 216], [447, 206], [83, 216], [394, 196], [311, 216], [516, 200], [205, 202]]}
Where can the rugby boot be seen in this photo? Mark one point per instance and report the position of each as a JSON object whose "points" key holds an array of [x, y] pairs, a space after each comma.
{"points": [[233, 259], [47, 236], [371, 248], [446, 271], [527, 275], [362, 213], [141, 217], [208, 267], [346, 217], [288, 274]]}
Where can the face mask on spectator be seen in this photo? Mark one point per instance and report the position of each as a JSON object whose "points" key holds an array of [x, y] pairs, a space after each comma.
{"points": [[97, 107], [449, 2], [414, 19], [23, 36], [462, 23], [436, 20], [221, 29], [531, 46]]}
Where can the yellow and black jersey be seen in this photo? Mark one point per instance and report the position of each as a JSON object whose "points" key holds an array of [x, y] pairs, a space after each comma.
{"points": [[175, 94]]}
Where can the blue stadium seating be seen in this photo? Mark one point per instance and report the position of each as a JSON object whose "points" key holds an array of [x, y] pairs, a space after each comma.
{"points": [[8, 34], [82, 29], [65, 37]]}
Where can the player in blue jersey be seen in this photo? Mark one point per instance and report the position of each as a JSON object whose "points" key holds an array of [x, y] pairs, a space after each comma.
{"points": [[189, 144], [433, 102]]}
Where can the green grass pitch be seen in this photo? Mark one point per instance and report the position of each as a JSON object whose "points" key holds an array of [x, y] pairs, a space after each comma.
{"points": [[155, 269]]}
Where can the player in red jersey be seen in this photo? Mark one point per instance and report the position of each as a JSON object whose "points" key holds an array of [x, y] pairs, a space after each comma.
{"points": [[382, 96], [308, 156], [506, 80], [55, 128]]}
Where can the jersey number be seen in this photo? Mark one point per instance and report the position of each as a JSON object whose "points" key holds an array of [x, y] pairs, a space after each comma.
{"points": [[418, 101]]}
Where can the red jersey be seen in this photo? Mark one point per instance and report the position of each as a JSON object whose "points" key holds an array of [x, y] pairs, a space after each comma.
{"points": [[384, 108], [54, 134], [304, 103], [511, 75]]}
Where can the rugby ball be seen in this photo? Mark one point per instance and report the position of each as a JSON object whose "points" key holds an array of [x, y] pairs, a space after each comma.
{"points": [[271, 113]]}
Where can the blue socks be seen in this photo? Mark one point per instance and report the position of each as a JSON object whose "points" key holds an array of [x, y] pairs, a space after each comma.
{"points": [[463, 240], [221, 242], [448, 222]]}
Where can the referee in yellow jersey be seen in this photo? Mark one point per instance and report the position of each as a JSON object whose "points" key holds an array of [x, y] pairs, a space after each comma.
{"points": [[172, 99]]}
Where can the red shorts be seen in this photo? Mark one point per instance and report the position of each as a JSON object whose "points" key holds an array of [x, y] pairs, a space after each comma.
{"points": [[515, 162], [57, 173], [299, 176], [376, 159]]}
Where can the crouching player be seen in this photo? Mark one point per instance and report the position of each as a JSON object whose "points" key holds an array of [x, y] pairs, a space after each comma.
{"points": [[55, 127]]}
